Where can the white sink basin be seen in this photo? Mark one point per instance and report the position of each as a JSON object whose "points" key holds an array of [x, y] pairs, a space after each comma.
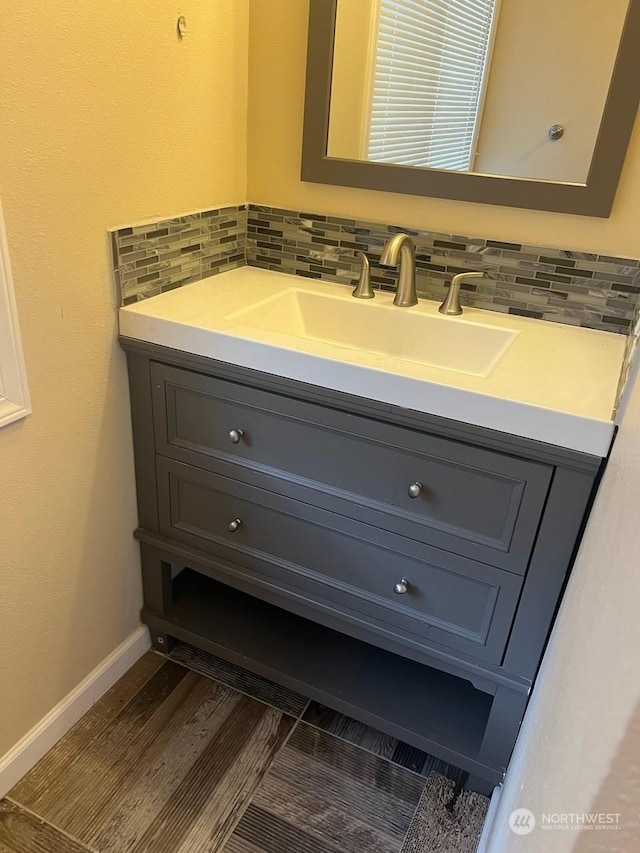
{"points": [[449, 343], [530, 378]]}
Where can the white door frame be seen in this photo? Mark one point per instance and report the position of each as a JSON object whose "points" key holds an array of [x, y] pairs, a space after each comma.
{"points": [[14, 391]]}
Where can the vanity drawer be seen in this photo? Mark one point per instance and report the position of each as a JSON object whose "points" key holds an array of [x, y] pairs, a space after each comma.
{"points": [[338, 565], [471, 501]]}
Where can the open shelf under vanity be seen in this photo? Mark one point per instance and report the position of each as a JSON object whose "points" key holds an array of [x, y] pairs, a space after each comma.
{"points": [[429, 709]]}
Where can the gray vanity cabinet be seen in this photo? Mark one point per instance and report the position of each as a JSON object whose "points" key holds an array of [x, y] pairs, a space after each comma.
{"points": [[401, 568]]}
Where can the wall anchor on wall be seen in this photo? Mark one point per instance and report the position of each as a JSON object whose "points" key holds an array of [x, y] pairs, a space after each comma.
{"points": [[556, 131], [182, 26]]}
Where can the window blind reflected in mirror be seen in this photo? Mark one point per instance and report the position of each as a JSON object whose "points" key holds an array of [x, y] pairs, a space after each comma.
{"points": [[428, 81]]}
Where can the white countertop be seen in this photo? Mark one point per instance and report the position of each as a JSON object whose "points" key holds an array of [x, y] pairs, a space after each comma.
{"points": [[555, 384]]}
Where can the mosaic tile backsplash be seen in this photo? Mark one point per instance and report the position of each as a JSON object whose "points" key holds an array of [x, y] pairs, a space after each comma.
{"points": [[578, 288], [630, 354], [151, 259], [560, 285]]}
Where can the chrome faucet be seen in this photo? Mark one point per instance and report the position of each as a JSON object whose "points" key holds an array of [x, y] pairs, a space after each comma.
{"points": [[400, 248], [451, 304]]}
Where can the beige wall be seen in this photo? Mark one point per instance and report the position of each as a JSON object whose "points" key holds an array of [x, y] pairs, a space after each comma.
{"points": [[619, 794], [276, 97], [106, 118], [552, 64]]}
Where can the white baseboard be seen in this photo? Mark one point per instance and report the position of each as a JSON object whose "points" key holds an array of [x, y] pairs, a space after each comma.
{"points": [[30, 749], [485, 838]]}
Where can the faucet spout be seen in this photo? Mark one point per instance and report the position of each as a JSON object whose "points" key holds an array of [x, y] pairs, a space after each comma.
{"points": [[400, 250]]}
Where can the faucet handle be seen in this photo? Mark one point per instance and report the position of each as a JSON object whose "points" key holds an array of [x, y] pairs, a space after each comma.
{"points": [[363, 289], [451, 304]]}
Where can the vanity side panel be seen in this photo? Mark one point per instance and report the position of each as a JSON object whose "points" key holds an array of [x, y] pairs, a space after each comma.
{"points": [[558, 539], [143, 439], [553, 555]]}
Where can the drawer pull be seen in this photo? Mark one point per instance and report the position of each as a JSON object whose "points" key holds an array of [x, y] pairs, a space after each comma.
{"points": [[235, 435], [415, 489], [234, 525], [401, 587]]}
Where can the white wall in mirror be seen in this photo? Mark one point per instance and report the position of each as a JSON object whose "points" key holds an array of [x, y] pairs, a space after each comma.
{"points": [[548, 62]]}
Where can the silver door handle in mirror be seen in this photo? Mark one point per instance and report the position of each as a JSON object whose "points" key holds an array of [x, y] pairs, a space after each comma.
{"points": [[415, 489], [235, 435], [234, 525], [401, 587]]}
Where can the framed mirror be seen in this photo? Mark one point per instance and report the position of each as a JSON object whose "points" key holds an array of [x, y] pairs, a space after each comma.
{"points": [[522, 103]]}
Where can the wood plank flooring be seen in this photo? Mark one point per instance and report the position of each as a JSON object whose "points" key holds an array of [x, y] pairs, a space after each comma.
{"points": [[194, 755], [322, 794], [22, 831]]}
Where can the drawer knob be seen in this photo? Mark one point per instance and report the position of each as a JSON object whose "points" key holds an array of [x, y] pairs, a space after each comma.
{"points": [[401, 587], [234, 525], [235, 435], [415, 489]]}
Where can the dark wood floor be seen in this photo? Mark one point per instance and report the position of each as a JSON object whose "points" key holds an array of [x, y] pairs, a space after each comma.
{"points": [[193, 754]]}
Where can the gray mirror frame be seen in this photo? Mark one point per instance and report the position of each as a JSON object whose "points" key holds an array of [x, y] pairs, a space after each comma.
{"points": [[595, 198]]}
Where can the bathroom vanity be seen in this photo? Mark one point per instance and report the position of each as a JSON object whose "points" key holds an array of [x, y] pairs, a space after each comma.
{"points": [[388, 537]]}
